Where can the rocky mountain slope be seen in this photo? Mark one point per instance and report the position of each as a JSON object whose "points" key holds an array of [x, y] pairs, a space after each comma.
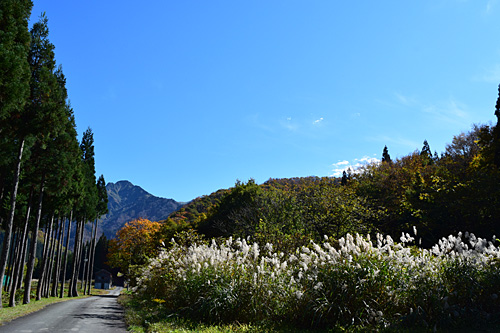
{"points": [[128, 201]]}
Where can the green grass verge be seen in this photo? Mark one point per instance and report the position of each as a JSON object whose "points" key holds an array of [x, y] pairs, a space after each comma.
{"points": [[144, 319], [140, 319], [10, 313], [7, 314]]}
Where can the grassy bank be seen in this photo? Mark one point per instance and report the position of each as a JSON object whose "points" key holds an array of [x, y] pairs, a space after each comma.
{"points": [[354, 284], [142, 319]]}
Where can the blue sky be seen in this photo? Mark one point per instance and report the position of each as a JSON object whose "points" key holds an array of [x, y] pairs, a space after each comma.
{"points": [[186, 97]]}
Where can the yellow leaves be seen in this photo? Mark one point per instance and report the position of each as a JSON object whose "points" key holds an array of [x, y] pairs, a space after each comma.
{"points": [[134, 242], [159, 301], [424, 196]]}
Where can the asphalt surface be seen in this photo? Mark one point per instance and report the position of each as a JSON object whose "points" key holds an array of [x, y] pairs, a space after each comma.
{"points": [[95, 314]]}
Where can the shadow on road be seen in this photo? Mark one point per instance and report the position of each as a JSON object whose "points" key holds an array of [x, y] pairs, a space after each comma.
{"points": [[114, 308], [109, 320]]}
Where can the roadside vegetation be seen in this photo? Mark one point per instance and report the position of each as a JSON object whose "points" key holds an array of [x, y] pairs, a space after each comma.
{"points": [[352, 282]]}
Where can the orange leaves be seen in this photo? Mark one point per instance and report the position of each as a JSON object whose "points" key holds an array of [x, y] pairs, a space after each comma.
{"points": [[134, 244], [136, 231]]}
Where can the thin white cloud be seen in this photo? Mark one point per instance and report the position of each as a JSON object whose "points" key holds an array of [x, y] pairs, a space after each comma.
{"points": [[289, 124], [451, 111], [256, 120], [490, 5], [490, 75], [317, 121], [405, 100], [396, 141]]}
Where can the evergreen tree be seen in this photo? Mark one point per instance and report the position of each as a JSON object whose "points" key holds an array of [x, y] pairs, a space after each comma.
{"points": [[496, 133], [385, 156], [87, 210], [426, 150], [102, 208], [426, 153], [14, 47], [101, 253], [343, 182], [14, 89], [102, 193], [44, 120]]}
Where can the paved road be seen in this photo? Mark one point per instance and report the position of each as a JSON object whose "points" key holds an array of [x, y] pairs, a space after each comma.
{"points": [[95, 314]]}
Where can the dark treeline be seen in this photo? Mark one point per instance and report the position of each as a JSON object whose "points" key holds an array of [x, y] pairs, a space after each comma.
{"points": [[47, 177]]}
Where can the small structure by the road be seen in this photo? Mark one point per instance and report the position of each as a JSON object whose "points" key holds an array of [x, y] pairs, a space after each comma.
{"points": [[103, 279]]}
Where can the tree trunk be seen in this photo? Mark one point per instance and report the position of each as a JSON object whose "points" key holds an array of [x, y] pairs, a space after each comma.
{"points": [[53, 258], [57, 270], [92, 258], [25, 242], [19, 268], [12, 254], [46, 241], [86, 287], [72, 292], [80, 258], [61, 291], [2, 180], [45, 259], [50, 266], [10, 221], [32, 257], [17, 257], [83, 284]]}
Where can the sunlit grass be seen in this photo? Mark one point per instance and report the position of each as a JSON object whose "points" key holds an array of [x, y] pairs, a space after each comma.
{"points": [[353, 283]]}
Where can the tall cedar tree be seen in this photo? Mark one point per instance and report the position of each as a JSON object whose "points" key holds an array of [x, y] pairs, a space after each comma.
{"points": [[426, 150], [14, 90], [102, 208], [44, 120], [75, 190], [385, 156], [496, 133], [343, 182], [14, 47], [65, 153], [88, 205]]}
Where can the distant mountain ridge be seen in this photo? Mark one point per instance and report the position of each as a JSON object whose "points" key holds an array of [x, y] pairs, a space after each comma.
{"points": [[128, 201]]}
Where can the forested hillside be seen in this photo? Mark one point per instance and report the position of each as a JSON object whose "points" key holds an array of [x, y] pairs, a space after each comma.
{"points": [[456, 190], [47, 175]]}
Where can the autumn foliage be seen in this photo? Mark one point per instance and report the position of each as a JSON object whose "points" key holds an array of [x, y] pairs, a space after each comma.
{"points": [[134, 244]]}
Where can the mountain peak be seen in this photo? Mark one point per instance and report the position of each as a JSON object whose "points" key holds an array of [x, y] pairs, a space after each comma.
{"points": [[128, 202]]}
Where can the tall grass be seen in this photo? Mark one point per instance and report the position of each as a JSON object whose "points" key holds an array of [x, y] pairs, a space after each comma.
{"points": [[352, 282]]}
